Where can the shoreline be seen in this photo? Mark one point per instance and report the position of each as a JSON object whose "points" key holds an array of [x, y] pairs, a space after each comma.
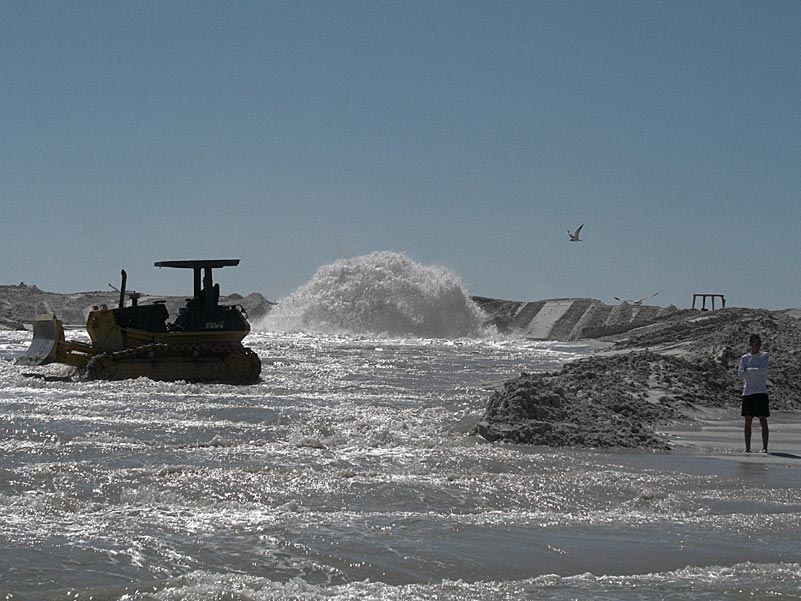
{"points": [[718, 434], [634, 389]]}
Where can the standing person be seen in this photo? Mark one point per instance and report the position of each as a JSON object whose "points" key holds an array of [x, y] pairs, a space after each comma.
{"points": [[753, 370]]}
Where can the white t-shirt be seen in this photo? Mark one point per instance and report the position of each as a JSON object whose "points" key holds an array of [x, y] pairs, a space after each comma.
{"points": [[753, 369]]}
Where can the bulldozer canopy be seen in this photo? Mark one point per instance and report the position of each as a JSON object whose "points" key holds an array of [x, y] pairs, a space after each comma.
{"points": [[199, 264]]}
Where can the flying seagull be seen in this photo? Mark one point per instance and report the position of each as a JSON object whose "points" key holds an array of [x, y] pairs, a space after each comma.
{"points": [[638, 301], [574, 236]]}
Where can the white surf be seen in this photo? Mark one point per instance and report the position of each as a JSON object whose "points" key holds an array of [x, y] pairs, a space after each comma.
{"points": [[382, 293]]}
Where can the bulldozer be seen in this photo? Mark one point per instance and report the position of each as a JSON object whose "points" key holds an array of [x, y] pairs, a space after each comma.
{"points": [[202, 344]]}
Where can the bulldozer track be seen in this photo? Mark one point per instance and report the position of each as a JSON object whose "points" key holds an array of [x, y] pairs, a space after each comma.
{"points": [[191, 362]]}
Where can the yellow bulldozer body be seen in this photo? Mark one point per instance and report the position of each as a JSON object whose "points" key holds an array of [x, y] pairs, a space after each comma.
{"points": [[203, 344]]}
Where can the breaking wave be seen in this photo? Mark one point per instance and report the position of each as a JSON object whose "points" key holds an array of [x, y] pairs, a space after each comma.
{"points": [[382, 293]]}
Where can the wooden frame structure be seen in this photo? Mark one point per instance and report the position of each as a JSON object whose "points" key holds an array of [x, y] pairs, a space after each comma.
{"points": [[703, 298]]}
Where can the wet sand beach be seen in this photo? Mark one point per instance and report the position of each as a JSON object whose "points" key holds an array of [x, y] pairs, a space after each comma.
{"points": [[718, 434]]}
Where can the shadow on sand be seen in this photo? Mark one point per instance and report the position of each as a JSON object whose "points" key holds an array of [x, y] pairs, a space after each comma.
{"points": [[785, 455]]}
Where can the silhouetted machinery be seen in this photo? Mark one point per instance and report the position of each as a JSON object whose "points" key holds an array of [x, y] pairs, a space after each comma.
{"points": [[203, 343]]}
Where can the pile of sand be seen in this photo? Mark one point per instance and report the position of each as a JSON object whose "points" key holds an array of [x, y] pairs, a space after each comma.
{"points": [[656, 375]]}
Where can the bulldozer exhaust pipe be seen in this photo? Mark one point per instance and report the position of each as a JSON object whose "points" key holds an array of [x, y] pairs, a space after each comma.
{"points": [[122, 289]]}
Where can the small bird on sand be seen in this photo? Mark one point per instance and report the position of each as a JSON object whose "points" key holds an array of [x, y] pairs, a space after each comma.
{"points": [[574, 236]]}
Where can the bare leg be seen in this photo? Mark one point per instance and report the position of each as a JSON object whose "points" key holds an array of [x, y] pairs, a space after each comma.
{"points": [[763, 423], [747, 431]]}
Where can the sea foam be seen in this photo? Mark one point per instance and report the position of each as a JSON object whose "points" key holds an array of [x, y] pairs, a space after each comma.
{"points": [[383, 293]]}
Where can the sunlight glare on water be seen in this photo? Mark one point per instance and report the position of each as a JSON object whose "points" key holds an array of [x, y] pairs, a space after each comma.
{"points": [[349, 472]]}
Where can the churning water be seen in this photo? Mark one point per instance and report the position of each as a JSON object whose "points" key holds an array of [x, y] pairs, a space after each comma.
{"points": [[348, 473], [383, 293]]}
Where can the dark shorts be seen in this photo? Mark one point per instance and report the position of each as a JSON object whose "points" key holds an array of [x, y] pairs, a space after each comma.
{"points": [[755, 405]]}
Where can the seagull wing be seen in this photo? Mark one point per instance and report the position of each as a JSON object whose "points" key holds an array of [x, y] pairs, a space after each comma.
{"points": [[650, 296], [637, 302]]}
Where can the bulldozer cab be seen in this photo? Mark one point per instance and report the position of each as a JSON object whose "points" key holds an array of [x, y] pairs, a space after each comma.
{"points": [[203, 311], [205, 289]]}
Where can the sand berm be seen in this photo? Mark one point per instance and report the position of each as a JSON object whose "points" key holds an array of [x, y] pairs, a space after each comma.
{"points": [[646, 379]]}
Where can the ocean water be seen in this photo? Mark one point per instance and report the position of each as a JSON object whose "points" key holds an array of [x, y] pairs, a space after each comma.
{"points": [[348, 472]]}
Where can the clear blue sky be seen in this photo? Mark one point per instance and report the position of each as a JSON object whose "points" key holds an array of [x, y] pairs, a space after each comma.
{"points": [[467, 134]]}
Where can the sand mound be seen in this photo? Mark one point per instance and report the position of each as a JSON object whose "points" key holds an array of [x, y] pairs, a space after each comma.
{"points": [[655, 376]]}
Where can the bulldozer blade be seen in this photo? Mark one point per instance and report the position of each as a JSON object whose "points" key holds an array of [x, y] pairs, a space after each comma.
{"points": [[48, 333]]}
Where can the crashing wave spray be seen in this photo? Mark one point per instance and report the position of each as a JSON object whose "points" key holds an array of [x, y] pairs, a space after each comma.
{"points": [[383, 293]]}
